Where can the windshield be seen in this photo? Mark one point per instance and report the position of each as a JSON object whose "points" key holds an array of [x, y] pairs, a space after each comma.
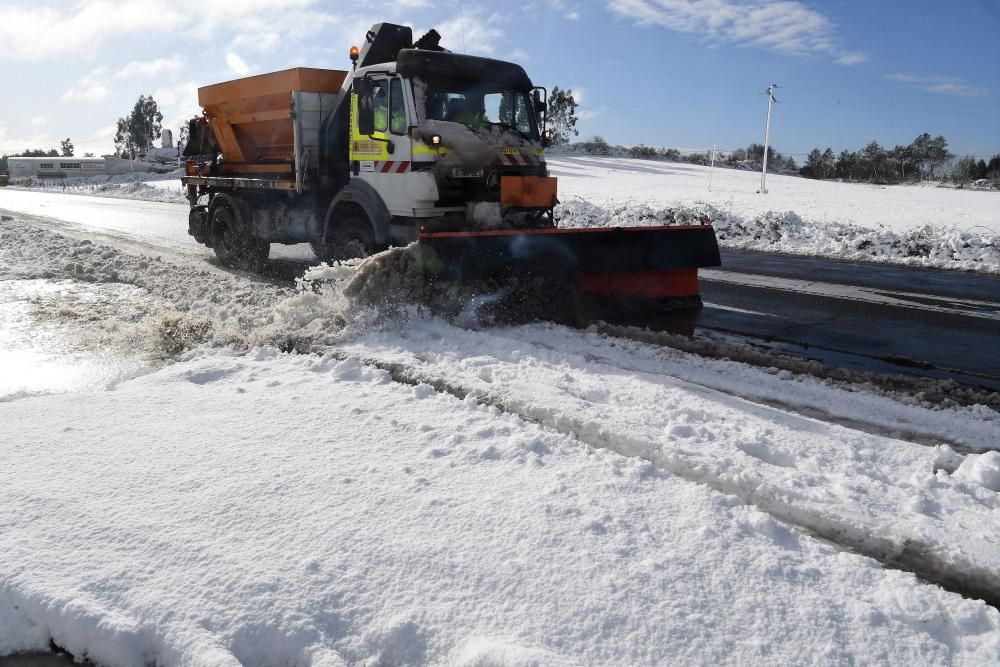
{"points": [[481, 104]]}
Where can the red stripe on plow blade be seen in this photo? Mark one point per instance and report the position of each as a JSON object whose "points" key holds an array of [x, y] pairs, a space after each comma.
{"points": [[652, 284]]}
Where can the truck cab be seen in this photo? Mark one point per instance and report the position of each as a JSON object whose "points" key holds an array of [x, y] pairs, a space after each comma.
{"points": [[435, 136], [447, 127]]}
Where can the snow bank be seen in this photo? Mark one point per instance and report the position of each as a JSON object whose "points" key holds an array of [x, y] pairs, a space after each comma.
{"points": [[919, 225], [608, 180], [82, 181], [975, 249], [300, 510], [142, 186]]}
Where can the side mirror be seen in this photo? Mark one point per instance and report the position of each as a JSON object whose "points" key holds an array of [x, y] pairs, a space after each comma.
{"points": [[363, 88], [539, 103]]}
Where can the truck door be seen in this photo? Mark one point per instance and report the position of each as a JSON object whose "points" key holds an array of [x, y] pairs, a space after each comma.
{"points": [[384, 159]]}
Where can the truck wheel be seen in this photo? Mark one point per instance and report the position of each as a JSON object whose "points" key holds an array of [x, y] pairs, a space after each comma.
{"points": [[351, 238], [198, 224], [234, 245]]}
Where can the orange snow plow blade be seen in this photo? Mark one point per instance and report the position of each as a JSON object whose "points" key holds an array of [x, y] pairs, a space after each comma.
{"points": [[617, 272]]}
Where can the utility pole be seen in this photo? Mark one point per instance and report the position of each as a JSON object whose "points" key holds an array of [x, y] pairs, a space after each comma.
{"points": [[767, 136], [711, 168]]}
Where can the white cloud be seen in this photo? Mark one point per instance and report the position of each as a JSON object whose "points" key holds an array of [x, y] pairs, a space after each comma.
{"points": [[39, 121], [263, 42], [852, 58], [267, 33], [71, 27], [151, 68], [579, 95], [474, 32], [178, 103], [83, 27], [783, 26], [90, 88], [939, 85], [237, 64], [100, 141], [9, 144], [94, 93], [564, 7], [106, 132]]}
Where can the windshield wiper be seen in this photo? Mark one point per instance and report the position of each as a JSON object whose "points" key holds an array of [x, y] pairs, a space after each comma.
{"points": [[513, 127]]}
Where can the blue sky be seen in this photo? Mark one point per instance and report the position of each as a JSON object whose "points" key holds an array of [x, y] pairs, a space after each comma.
{"points": [[682, 73]]}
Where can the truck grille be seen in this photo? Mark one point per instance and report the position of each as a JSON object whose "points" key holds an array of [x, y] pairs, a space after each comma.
{"points": [[459, 191]]}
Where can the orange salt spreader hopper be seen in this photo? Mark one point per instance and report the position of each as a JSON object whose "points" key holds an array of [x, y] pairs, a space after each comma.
{"points": [[250, 117]]}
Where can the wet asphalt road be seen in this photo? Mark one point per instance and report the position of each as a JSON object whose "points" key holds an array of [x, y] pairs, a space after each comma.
{"points": [[872, 316]]}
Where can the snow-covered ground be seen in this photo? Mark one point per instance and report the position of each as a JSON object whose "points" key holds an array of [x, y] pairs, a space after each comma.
{"points": [[920, 225], [268, 509], [408, 491], [609, 180]]}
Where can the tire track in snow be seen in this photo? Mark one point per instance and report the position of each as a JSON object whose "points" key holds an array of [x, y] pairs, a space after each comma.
{"points": [[759, 397], [909, 555]]}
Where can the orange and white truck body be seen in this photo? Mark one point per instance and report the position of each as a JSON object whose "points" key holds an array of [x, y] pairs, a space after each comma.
{"points": [[414, 143]]}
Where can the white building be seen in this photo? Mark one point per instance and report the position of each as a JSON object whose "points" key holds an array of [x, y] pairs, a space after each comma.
{"points": [[55, 167]]}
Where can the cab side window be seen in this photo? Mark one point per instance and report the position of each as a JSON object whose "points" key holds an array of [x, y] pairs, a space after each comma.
{"points": [[397, 107], [381, 104]]}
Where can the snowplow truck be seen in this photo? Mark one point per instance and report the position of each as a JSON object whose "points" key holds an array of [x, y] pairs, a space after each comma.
{"points": [[415, 143]]}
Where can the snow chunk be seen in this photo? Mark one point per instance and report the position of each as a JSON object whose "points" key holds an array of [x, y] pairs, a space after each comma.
{"points": [[493, 652], [982, 469]]}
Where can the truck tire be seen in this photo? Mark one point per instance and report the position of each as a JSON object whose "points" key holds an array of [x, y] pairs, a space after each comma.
{"points": [[353, 238], [198, 224], [349, 238], [234, 245]]}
